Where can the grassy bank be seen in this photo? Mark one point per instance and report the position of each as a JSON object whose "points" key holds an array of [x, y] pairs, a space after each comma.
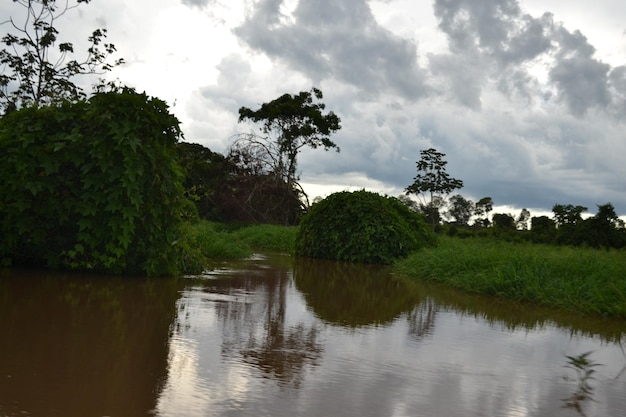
{"points": [[207, 241], [578, 279]]}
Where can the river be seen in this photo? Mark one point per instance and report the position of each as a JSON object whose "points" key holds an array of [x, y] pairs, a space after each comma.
{"points": [[278, 336]]}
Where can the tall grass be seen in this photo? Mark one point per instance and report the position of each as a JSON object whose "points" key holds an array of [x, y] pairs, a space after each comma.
{"points": [[579, 279], [204, 242]]}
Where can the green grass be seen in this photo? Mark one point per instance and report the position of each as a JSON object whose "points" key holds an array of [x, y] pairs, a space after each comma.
{"points": [[577, 279], [204, 242]]}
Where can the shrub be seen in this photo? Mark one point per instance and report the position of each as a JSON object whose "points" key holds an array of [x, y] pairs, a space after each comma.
{"points": [[361, 227], [92, 185]]}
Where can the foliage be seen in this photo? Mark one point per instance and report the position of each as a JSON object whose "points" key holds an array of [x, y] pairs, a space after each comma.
{"points": [[503, 221], [290, 123], [578, 279], [267, 188], [268, 237], [522, 220], [460, 209], [542, 229], [361, 227], [92, 185], [206, 174], [605, 229], [481, 210], [432, 179], [206, 242], [34, 73]]}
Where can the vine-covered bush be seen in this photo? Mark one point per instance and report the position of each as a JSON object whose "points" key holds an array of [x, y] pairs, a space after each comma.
{"points": [[361, 226], [92, 185]]}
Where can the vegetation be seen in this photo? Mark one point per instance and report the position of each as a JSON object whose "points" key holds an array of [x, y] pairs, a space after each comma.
{"points": [[289, 123], [92, 185], [361, 227], [206, 242], [583, 280], [33, 72], [432, 180]]}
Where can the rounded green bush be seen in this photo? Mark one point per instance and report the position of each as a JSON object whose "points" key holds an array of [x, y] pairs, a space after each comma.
{"points": [[361, 226]]}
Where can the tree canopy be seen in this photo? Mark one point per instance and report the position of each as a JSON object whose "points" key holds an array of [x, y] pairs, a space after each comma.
{"points": [[432, 180], [290, 123], [38, 68]]}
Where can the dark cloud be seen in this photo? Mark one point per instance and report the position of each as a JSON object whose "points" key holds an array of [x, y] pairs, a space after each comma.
{"points": [[494, 39], [339, 39], [581, 80]]}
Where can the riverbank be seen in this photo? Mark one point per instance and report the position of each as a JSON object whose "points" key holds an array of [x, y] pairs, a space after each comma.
{"points": [[584, 280], [208, 241], [578, 279]]}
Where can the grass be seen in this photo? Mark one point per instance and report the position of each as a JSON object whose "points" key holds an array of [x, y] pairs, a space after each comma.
{"points": [[205, 241], [577, 279]]}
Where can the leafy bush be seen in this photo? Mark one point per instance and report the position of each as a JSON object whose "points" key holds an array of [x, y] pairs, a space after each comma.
{"points": [[92, 185], [361, 227]]}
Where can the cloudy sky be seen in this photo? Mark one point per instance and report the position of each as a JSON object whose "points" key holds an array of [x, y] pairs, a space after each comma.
{"points": [[527, 98]]}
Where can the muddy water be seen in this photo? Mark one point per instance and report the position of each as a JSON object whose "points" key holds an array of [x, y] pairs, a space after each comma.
{"points": [[273, 336]]}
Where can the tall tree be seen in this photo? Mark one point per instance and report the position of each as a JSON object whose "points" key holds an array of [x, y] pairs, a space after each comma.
{"points": [[289, 123], [37, 69], [481, 210], [522, 219], [433, 181], [567, 214]]}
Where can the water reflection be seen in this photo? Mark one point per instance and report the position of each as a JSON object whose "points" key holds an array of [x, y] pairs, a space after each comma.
{"points": [[351, 340], [353, 294], [274, 336], [258, 331], [73, 345]]}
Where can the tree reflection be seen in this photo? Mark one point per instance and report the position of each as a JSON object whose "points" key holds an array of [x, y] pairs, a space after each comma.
{"points": [[259, 332], [353, 294], [422, 319]]}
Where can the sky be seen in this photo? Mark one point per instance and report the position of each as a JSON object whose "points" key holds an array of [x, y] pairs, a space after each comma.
{"points": [[526, 98]]}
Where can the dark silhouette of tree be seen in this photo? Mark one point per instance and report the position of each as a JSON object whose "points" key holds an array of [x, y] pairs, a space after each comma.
{"points": [[522, 219], [433, 181], [605, 229], [542, 229], [481, 210], [460, 209], [503, 221]]}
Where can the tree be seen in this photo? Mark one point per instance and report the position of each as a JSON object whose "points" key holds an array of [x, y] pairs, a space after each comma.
{"points": [[568, 219], [460, 209], [542, 229], [522, 219], [207, 175], [432, 179], [605, 229], [567, 214], [503, 221], [36, 73], [289, 123], [481, 211]]}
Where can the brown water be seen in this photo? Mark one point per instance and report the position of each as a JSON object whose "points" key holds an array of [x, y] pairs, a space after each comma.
{"points": [[273, 336]]}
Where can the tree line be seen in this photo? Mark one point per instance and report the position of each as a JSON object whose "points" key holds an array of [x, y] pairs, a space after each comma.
{"points": [[432, 186]]}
